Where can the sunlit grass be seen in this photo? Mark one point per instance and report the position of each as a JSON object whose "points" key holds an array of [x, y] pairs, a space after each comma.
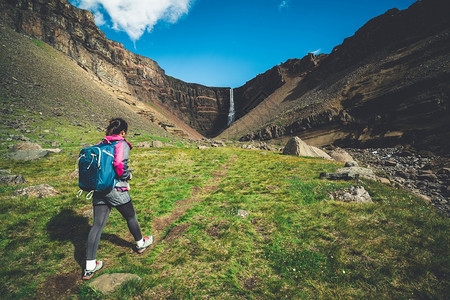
{"points": [[295, 243]]}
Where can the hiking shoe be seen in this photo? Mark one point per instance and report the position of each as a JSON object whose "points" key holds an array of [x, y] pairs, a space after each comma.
{"points": [[89, 273], [148, 240]]}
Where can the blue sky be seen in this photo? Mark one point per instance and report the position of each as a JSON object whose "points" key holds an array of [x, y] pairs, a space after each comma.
{"points": [[226, 43]]}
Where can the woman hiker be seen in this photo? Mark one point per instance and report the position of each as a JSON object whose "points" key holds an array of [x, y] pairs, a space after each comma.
{"points": [[118, 197]]}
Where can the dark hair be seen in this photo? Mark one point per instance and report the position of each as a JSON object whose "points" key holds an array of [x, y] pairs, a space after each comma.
{"points": [[116, 126]]}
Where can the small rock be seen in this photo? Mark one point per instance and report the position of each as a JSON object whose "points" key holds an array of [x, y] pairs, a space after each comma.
{"points": [[243, 213], [53, 150], [339, 176], [352, 194], [350, 164], [201, 147], [143, 145], [108, 283], [390, 163]]}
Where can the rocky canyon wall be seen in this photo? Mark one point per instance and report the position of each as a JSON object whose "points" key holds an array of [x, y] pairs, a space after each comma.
{"points": [[73, 31], [388, 84]]}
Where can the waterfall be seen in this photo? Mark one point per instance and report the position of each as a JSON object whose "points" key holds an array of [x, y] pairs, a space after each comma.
{"points": [[231, 112]]}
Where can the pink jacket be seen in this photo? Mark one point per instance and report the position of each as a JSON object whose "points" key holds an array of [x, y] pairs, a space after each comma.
{"points": [[121, 157]]}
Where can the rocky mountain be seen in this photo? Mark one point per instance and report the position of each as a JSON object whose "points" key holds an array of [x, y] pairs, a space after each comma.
{"points": [[388, 84], [187, 109]]}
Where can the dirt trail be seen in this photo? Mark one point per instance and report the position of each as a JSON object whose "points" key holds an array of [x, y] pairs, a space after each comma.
{"points": [[160, 224]]}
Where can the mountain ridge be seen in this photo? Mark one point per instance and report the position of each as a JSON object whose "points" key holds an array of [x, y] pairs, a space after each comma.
{"points": [[384, 86]]}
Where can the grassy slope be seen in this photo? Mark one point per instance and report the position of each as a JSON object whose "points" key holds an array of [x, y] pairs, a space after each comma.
{"points": [[294, 243], [43, 90]]}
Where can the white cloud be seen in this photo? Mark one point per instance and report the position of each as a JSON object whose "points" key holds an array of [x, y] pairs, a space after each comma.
{"points": [[283, 4], [136, 16], [99, 19], [316, 51]]}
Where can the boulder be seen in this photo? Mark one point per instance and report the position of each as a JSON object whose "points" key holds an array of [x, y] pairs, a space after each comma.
{"points": [[157, 144], [38, 191], [26, 146], [297, 147], [340, 154], [11, 179], [108, 283], [28, 155], [201, 147], [359, 171], [350, 171], [352, 194]]}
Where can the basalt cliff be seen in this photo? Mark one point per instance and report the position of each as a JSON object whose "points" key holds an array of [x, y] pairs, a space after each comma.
{"points": [[189, 110], [388, 84]]}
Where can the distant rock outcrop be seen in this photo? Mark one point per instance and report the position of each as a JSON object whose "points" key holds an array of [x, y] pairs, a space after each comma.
{"points": [[296, 146]]}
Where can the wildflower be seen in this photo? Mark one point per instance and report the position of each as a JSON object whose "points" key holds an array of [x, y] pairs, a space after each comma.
{"points": [[343, 271]]}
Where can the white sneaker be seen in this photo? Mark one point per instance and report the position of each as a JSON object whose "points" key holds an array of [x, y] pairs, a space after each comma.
{"points": [[148, 240]]}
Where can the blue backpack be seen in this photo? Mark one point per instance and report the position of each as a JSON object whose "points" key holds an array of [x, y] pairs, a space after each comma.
{"points": [[96, 172]]}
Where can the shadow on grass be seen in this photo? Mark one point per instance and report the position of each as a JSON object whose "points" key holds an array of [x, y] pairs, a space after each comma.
{"points": [[70, 226], [114, 239]]}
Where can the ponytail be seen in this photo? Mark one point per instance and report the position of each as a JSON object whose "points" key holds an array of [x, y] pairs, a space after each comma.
{"points": [[116, 126]]}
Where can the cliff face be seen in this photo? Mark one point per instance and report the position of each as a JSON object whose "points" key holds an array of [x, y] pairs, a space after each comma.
{"points": [[74, 32], [259, 88], [388, 84]]}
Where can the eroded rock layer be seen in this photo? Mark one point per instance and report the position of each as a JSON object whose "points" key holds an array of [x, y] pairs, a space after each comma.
{"points": [[74, 32]]}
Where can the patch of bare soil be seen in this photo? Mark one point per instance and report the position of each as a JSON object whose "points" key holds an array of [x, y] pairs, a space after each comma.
{"points": [[175, 232], [58, 286]]}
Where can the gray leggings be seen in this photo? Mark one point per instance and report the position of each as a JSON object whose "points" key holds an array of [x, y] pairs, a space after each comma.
{"points": [[101, 214]]}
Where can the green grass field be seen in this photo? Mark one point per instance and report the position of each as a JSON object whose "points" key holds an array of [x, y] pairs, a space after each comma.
{"points": [[295, 243]]}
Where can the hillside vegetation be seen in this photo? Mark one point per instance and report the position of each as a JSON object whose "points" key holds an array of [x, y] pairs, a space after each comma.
{"points": [[43, 90]]}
